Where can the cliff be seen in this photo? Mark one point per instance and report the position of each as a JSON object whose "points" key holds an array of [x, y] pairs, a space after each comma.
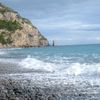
{"points": [[16, 31]]}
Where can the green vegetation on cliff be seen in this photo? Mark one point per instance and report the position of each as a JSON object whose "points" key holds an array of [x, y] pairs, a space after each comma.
{"points": [[9, 25], [4, 39]]}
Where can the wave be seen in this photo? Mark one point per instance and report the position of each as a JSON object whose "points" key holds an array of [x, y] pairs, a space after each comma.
{"points": [[57, 65], [6, 51], [83, 69], [2, 52], [61, 68], [38, 65], [11, 61]]}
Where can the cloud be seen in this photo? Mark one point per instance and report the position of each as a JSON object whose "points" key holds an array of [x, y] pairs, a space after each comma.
{"points": [[69, 25], [97, 38]]}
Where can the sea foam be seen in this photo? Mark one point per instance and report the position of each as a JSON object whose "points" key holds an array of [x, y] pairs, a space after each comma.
{"points": [[61, 68], [2, 52], [35, 64], [83, 69]]}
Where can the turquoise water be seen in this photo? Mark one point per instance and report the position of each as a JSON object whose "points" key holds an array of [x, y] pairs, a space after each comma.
{"points": [[72, 60]]}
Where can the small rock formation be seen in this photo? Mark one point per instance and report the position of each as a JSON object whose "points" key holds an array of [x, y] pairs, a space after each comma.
{"points": [[16, 31], [53, 43]]}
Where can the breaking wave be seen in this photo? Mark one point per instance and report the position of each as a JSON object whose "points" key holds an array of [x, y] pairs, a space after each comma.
{"points": [[62, 68], [32, 63], [83, 69]]}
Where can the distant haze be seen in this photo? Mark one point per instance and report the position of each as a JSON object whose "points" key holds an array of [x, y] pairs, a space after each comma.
{"points": [[65, 21]]}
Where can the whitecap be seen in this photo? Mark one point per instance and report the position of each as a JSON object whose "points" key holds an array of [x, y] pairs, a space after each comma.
{"points": [[35, 64], [83, 69], [2, 52]]}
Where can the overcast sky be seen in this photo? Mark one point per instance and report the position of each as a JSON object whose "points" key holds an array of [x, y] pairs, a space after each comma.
{"points": [[65, 21]]}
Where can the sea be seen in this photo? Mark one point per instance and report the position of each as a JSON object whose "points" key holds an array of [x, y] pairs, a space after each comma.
{"points": [[76, 67]]}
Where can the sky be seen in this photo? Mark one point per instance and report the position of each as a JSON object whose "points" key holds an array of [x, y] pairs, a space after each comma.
{"points": [[65, 21]]}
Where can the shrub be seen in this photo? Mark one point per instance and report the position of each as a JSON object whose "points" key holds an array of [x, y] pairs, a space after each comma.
{"points": [[5, 39], [9, 25]]}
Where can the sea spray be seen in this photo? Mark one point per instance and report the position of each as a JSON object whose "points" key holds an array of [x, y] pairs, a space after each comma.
{"points": [[37, 65]]}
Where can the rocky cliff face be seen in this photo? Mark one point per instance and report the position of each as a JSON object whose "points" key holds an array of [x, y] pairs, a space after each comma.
{"points": [[16, 31]]}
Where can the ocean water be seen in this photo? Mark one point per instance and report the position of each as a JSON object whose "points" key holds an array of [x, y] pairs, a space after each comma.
{"points": [[60, 65]]}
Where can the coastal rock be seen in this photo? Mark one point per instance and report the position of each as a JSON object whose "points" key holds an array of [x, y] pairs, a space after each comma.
{"points": [[16, 31]]}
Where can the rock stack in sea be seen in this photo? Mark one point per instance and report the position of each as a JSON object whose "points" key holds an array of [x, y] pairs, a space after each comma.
{"points": [[16, 31]]}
